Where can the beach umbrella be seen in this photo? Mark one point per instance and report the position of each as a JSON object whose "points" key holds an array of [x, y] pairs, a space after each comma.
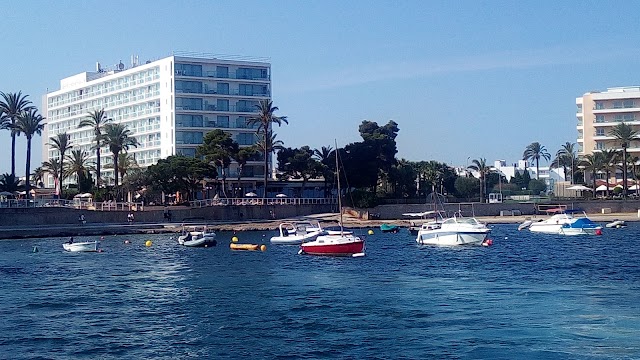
{"points": [[601, 188]]}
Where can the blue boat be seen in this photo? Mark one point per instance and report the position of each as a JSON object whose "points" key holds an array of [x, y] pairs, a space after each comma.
{"points": [[389, 228]]}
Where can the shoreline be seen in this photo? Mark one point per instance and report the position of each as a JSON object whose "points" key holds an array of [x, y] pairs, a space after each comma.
{"points": [[326, 220]]}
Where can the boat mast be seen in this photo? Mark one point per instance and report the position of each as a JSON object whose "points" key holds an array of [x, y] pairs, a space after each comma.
{"points": [[339, 193]]}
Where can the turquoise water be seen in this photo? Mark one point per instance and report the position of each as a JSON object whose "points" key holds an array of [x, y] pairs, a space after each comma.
{"points": [[529, 296]]}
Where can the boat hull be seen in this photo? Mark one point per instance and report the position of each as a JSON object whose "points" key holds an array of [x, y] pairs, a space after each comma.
{"points": [[91, 246], [340, 246], [294, 239], [445, 238]]}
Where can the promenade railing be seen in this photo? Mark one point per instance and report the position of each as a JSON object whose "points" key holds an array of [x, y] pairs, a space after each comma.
{"points": [[261, 201], [73, 204]]}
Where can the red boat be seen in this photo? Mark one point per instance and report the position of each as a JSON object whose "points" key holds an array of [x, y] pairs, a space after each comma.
{"points": [[334, 245], [339, 243]]}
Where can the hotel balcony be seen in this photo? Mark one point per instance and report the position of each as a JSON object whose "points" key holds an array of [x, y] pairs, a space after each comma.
{"points": [[616, 110]]}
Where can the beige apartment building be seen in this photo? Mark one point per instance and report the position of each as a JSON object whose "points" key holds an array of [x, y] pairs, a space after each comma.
{"points": [[599, 111]]}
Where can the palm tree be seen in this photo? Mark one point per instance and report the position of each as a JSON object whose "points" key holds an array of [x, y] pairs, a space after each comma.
{"points": [[594, 163], [29, 123], [265, 121], [9, 183], [609, 161], [53, 167], [78, 165], [480, 165], [566, 158], [269, 145], [38, 176], [242, 156], [62, 143], [12, 105], [625, 134], [117, 137], [126, 163], [535, 151], [96, 120], [324, 155]]}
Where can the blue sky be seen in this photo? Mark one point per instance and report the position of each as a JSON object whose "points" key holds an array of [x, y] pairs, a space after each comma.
{"points": [[461, 78]]}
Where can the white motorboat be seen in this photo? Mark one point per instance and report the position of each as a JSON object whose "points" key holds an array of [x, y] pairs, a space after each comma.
{"points": [[453, 231], [197, 236], [88, 246], [296, 233], [564, 223]]}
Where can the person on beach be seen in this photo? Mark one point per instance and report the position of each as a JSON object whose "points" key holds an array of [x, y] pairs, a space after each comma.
{"points": [[70, 240], [130, 218], [81, 219]]}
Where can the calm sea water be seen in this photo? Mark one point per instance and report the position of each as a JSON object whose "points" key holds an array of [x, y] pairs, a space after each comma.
{"points": [[526, 297]]}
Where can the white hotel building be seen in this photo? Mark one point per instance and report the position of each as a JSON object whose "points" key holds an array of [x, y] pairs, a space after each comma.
{"points": [[168, 104]]}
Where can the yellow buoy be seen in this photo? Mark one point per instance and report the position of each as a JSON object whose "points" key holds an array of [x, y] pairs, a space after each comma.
{"points": [[234, 239], [263, 247], [148, 243], [370, 232], [244, 246]]}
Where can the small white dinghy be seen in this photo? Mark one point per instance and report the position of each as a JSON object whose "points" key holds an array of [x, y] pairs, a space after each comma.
{"points": [[616, 224], [89, 246], [197, 236]]}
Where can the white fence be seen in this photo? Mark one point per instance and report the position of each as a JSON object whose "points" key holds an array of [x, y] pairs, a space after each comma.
{"points": [[73, 204], [261, 201]]}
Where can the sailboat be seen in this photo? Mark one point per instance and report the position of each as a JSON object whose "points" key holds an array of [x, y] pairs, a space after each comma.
{"points": [[338, 243]]}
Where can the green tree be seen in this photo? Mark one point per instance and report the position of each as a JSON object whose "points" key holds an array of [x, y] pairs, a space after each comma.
{"points": [[299, 164], [625, 134], [218, 148], [179, 174], [466, 187], [264, 120], [480, 166], [535, 151], [382, 140], [29, 123], [11, 106], [537, 186], [61, 142], [118, 138], [403, 176], [96, 121]]}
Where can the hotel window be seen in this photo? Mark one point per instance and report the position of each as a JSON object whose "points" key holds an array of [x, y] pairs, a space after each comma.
{"points": [[600, 132], [617, 104], [188, 137], [627, 104], [599, 118], [222, 121], [245, 139], [599, 105], [222, 71], [600, 145]]}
